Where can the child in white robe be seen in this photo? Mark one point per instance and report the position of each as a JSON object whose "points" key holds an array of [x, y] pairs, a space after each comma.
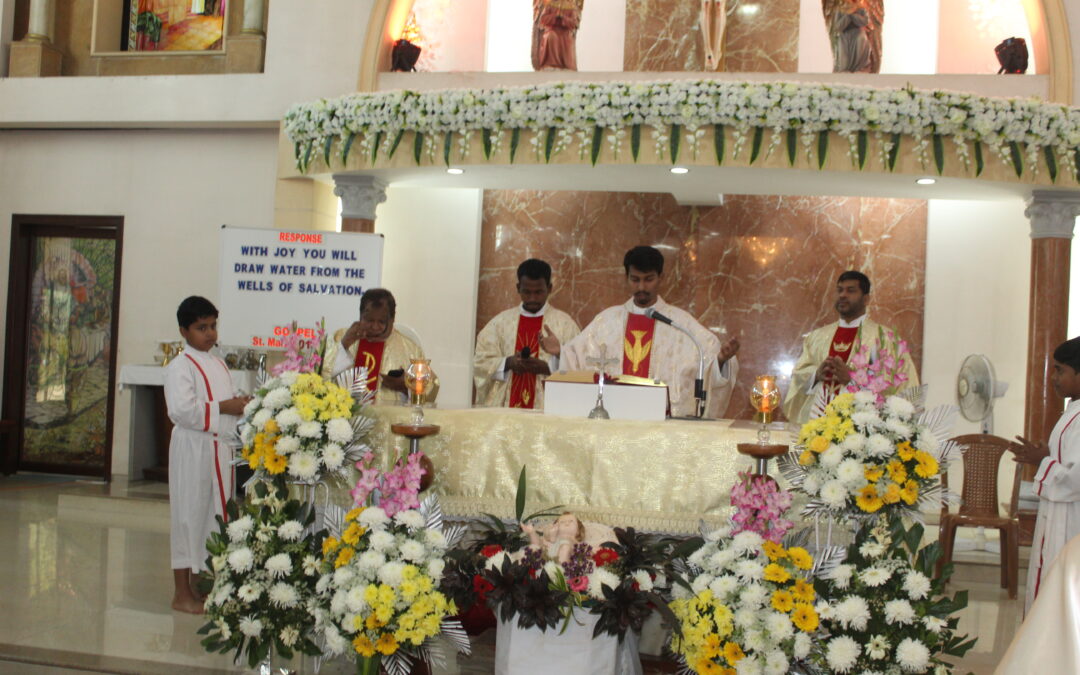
{"points": [[1057, 481], [204, 408]]}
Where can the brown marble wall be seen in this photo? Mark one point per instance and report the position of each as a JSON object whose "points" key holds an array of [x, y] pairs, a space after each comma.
{"points": [[762, 268], [663, 35]]}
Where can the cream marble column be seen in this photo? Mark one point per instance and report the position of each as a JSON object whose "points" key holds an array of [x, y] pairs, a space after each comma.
{"points": [[359, 197], [34, 55], [41, 21], [1053, 216], [246, 52]]}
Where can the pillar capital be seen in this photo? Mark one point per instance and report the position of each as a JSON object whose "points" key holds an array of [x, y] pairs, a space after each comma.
{"points": [[1052, 214], [359, 194]]}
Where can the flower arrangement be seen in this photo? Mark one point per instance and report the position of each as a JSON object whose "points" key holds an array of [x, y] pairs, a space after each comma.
{"points": [[760, 506], [862, 457], [1027, 135], [397, 489], [302, 427], [884, 605], [747, 605], [263, 566], [377, 593], [303, 354], [880, 368]]}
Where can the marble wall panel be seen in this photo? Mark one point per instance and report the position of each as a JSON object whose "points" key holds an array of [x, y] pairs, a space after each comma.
{"points": [[762, 268], [664, 35]]}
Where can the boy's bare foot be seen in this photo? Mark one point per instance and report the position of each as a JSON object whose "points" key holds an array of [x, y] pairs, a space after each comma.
{"points": [[187, 604]]}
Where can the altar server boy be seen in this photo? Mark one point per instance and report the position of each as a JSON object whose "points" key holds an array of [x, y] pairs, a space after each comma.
{"points": [[204, 408]]}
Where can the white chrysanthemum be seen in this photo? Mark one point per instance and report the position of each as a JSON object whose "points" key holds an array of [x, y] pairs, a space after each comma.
{"points": [[343, 575], [286, 445], [749, 570], [724, 584], [221, 594], [802, 645], [934, 624], [413, 551], [719, 533], [721, 559], [775, 662], [354, 599], [866, 420], [391, 573], [811, 483], [290, 530], [435, 568], [333, 456], [754, 596], [898, 406], [898, 428], [261, 418], [824, 609], [224, 629], [381, 540], [912, 655], [875, 576], [681, 593], [745, 617], [746, 541], [864, 398], [334, 642], [323, 583], [842, 653], [916, 585], [247, 434], [779, 626], [877, 648], [410, 518], [852, 612], [599, 578], [701, 582], [495, 562], [310, 429], [239, 528], [338, 602], [339, 430], [369, 561], [697, 558], [755, 640], [283, 595], [264, 533], [311, 565], [278, 565], [850, 471], [750, 665], [644, 581], [250, 626], [841, 575], [304, 465], [872, 549], [277, 399], [832, 457], [854, 443], [927, 442], [241, 559], [879, 446], [288, 418], [899, 611], [253, 405], [373, 517], [289, 635], [435, 539], [834, 494]]}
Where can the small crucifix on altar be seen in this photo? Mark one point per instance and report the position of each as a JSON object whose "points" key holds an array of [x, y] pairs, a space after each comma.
{"points": [[601, 364]]}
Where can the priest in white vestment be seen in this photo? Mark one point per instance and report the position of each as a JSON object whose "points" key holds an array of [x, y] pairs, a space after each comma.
{"points": [[511, 361], [1057, 480], [653, 349], [373, 344], [823, 364]]}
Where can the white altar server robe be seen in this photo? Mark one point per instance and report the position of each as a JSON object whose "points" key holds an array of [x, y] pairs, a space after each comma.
{"points": [[673, 360], [200, 452], [1057, 482]]}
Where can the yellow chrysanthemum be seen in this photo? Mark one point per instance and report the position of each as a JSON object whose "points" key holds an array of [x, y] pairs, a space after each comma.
{"points": [[733, 653], [363, 645], [354, 514], [328, 545], [386, 645], [777, 573], [275, 463], [773, 550], [868, 499], [372, 622], [873, 473], [782, 601], [803, 591], [892, 494], [343, 557], [897, 472], [705, 666], [905, 450], [271, 426], [927, 466], [806, 458], [910, 492], [800, 557], [804, 617], [818, 444], [352, 534], [711, 648]]}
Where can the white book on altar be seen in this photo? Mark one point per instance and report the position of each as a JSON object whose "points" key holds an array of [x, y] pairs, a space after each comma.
{"points": [[573, 394]]}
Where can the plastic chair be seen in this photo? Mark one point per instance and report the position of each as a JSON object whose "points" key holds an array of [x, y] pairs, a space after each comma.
{"points": [[979, 506]]}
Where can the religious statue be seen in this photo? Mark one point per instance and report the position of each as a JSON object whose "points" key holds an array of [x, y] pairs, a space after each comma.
{"points": [[557, 542], [555, 26], [855, 34]]}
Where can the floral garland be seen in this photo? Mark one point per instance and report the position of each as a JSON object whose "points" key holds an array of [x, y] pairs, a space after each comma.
{"points": [[1024, 134]]}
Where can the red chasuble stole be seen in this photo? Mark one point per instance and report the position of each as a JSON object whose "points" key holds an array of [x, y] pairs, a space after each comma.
{"points": [[523, 386], [842, 345], [369, 355], [637, 345]]}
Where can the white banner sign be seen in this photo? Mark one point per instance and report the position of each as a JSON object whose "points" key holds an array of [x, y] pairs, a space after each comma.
{"points": [[270, 278]]}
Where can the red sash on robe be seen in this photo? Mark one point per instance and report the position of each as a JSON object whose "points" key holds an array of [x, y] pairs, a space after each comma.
{"points": [[523, 386], [842, 346], [637, 345], [369, 355]]}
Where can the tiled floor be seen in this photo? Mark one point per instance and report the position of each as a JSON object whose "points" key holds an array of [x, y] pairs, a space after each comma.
{"points": [[85, 584]]}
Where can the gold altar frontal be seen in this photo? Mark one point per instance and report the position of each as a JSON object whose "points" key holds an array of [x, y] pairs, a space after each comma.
{"points": [[654, 476]]}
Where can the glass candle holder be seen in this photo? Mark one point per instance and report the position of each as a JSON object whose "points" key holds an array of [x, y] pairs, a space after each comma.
{"points": [[419, 378], [765, 398]]}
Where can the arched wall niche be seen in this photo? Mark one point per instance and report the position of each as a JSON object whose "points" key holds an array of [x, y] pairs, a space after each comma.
{"points": [[1050, 46]]}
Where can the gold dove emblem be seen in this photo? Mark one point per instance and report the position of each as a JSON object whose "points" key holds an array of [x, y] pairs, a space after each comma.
{"points": [[841, 346], [636, 352], [369, 363], [525, 396]]}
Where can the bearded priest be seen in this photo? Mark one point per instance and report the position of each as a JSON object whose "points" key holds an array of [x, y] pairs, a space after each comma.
{"points": [[512, 357], [826, 351], [655, 349]]}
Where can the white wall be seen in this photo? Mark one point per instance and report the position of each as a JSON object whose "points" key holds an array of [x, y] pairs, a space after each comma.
{"points": [[451, 34], [431, 263], [174, 189], [600, 40]]}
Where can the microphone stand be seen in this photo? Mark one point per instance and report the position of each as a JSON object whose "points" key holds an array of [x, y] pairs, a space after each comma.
{"points": [[699, 383]]}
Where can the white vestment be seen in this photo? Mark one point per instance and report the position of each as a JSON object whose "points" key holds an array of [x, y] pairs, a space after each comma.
{"points": [[200, 456], [496, 342], [673, 357], [398, 352], [1057, 482]]}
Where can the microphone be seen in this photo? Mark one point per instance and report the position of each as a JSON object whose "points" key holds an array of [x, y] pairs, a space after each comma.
{"points": [[699, 383], [653, 314], [524, 353]]}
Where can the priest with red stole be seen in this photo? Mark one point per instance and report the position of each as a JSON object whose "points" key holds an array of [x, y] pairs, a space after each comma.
{"points": [[653, 349], [826, 350], [373, 343], [512, 357]]}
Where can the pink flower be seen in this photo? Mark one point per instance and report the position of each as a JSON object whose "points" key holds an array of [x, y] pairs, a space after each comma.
{"points": [[579, 584]]}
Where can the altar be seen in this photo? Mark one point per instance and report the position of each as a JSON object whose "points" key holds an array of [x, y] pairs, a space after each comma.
{"points": [[655, 476]]}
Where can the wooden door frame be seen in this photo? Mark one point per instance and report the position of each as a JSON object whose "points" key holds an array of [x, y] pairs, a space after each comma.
{"points": [[23, 228]]}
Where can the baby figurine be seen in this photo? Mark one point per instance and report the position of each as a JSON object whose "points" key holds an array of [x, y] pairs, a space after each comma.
{"points": [[557, 542]]}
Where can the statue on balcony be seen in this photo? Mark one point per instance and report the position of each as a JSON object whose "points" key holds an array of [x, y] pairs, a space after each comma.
{"points": [[555, 26], [855, 34]]}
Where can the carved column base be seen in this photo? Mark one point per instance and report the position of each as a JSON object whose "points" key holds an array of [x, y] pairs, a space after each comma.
{"points": [[32, 58], [244, 53], [357, 225]]}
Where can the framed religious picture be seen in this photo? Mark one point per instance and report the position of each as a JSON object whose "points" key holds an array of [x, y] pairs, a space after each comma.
{"points": [[173, 25]]}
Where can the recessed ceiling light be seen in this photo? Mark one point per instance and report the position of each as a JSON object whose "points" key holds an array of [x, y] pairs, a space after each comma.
{"points": [[749, 9], [679, 169], [455, 172], [926, 181]]}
